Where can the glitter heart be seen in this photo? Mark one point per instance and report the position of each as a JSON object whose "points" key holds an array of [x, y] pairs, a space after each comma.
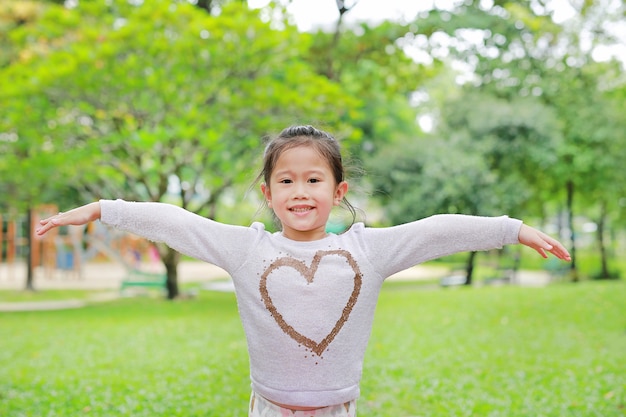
{"points": [[308, 273]]}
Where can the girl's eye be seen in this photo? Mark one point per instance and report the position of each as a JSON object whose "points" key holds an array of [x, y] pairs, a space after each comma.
{"points": [[314, 180], [285, 181]]}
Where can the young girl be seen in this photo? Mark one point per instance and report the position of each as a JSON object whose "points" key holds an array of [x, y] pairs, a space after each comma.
{"points": [[307, 297]]}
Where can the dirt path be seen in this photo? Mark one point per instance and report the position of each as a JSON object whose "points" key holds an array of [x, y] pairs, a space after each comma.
{"points": [[106, 278]]}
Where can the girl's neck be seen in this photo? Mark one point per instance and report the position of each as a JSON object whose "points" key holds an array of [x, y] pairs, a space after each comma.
{"points": [[311, 236]]}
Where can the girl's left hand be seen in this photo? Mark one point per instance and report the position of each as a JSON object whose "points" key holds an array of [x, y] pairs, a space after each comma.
{"points": [[541, 242]]}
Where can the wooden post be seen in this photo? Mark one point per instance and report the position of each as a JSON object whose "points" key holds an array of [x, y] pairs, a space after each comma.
{"points": [[44, 251], [11, 241], [35, 254]]}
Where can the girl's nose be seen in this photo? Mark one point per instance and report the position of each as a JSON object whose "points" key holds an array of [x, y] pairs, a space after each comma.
{"points": [[300, 191]]}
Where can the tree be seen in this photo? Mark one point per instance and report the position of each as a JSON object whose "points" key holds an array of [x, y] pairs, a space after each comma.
{"points": [[145, 100], [516, 49], [593, 152], [475, 164]]}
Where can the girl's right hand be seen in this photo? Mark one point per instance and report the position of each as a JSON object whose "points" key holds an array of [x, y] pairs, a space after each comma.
{"points": [[78, 216]]}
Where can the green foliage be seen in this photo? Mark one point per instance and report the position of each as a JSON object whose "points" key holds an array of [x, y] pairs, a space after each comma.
{"points": [[13, 14], [488, 157], [540, 109], [370, 63], [517, 141], [516, 50], [491, 351], [158, 102], [140, 96]]}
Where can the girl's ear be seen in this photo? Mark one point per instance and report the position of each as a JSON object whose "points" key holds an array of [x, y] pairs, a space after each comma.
{"points": [[340, 192], [267, 194]]}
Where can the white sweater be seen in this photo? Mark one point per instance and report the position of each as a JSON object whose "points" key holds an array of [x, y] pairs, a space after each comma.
{"points": [[307, 307]]}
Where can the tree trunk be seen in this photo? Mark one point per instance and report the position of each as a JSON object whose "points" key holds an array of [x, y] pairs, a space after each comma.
{"points": [[469, 269], [205, 4], [330, 73], [604, 273], [570, 224], [29, 251], [170, 259]]}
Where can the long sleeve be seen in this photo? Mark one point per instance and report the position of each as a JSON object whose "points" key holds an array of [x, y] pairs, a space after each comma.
{"points": [[193, 235], [396, 248]]}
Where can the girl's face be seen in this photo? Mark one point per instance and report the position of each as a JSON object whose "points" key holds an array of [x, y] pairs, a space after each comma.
{"points": [[302, 191]]}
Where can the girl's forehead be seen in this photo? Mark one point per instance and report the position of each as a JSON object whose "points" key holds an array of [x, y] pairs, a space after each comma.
{"points": [[302, 154], [301, 157]]}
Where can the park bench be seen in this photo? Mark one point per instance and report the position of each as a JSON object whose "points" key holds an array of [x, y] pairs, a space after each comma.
{"points": [[453, 280], [502, 276], [144, 279], [135, 277], [556, 268]]}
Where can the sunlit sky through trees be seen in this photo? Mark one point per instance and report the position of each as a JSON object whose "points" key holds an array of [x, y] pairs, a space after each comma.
{"points": [[309, 15]]}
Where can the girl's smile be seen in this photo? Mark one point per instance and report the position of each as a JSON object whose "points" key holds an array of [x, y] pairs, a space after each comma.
{"points": [[301, 209], [302, 192]]}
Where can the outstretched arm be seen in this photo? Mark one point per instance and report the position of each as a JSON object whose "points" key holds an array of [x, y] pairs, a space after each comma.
{"points": [[541, 242], [78, 216], [182, 230]]}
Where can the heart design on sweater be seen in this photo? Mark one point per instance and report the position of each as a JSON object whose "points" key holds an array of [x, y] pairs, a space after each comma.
{"points": [[308, 273]]}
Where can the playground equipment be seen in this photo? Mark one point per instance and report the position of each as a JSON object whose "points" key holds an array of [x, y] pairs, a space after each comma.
{"points": [[8, 244], [115, 245], [61, 251], [65, 250]]}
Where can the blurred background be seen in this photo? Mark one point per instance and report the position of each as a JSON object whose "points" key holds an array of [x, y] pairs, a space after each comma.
{"points": [[477, 107]]}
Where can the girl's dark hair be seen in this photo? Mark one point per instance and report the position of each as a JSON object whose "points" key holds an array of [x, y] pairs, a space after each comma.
{"points": [[322, 141]]}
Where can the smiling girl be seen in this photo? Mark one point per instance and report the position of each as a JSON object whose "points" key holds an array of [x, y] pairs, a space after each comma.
{"points": [[307, 297]]}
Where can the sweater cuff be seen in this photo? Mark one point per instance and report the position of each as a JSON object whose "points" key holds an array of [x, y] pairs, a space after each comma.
{"points": [[110, 212], [511, 234]]}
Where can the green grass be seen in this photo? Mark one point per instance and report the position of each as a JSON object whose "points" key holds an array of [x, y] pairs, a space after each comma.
{"points": [[508, 351], [500, 351]]}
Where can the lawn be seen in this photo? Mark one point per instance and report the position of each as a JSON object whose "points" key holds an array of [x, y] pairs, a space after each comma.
{"points": [[500, 351]]}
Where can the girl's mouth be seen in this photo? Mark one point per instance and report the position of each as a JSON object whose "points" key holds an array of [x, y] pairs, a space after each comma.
{"points": [[301, 209]]}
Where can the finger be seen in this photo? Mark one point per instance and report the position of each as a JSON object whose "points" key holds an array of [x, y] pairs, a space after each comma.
{"points": [[559, 250], [543, 245], [552, 245], [43, 229], [48, 219], [561, 253], [46, 225]]}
